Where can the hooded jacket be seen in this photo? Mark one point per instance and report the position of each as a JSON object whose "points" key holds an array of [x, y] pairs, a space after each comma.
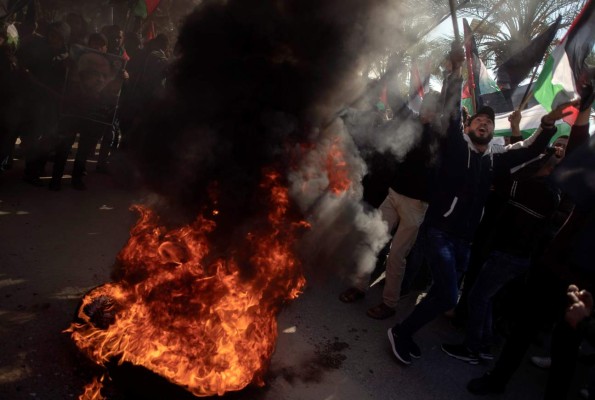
{"points": [[464, 177]]}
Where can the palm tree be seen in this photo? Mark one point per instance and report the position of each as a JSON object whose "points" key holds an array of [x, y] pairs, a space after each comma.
{"points": [[512, 25]]}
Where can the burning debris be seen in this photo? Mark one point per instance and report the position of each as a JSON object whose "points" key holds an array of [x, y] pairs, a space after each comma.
{"points": [[253, 184]]}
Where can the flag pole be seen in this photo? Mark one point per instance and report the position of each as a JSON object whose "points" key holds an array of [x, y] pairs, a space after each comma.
{"points": [[528, 91], [453, 15]]}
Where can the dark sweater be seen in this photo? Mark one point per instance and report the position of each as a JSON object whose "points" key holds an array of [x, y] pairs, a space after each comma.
{"points": [[463, 179], [412, 177], [522, 221]]}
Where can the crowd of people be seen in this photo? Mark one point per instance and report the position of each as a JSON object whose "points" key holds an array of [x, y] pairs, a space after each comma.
{"points": [[497, 227], [481, 216], [64, 85]]}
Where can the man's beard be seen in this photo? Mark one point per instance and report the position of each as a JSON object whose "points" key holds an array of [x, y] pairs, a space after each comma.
{"points": [[475, 139]]}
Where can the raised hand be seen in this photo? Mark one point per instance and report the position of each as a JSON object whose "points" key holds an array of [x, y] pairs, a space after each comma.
{"points": [[559, 113]]}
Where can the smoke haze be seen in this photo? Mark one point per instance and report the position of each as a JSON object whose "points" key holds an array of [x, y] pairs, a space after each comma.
{"points": [[254, 81]]}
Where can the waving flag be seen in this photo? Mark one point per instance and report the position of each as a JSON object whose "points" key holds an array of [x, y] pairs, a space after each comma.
{"points": [[417, 88], [512, 72], [144, 8], [557, 82], [479, 81]]}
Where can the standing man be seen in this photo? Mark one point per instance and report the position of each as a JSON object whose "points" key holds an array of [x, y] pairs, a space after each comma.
{"points": [[405, 205], [469, 162]]}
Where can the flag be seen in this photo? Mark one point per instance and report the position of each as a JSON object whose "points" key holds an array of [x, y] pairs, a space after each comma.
{"points": [[512, 71], [530, 120], [479, 81], [557, 82], [150, 35], [144, 8], [417, 88]]}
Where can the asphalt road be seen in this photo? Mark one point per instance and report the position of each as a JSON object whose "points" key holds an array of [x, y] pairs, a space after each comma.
{"points": [[54, 246]]}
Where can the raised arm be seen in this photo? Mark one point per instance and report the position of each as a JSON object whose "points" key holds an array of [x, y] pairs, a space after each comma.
{"points": [[515, 123], [520, 152]]}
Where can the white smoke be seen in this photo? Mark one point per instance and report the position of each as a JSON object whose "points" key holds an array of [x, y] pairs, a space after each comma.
{"points": [[345, 236]]}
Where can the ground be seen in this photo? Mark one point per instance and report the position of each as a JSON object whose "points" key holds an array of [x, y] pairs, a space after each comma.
{"points": [[55, 246]]}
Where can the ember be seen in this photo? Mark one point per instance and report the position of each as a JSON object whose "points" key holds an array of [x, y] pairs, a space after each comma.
{"points": [[189, 315]]}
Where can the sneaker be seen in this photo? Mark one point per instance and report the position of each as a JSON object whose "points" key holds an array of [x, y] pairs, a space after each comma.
{"points": [[414, 350], [485, 353], [400, 347], [461, 352], [487, 384]]}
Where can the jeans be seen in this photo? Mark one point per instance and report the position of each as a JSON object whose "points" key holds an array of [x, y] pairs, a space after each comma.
{"points": [[447, 257], [499, 269]]}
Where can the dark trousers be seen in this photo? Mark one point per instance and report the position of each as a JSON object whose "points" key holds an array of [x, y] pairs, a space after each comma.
{"points": [[89, 133], [544, 300], [447, 258]]}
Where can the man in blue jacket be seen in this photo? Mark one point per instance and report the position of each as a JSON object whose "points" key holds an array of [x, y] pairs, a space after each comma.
{"points": [[469, 163]]}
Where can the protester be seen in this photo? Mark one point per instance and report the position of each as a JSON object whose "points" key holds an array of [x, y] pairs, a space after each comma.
{"points": [[544, 293], [404, 207], [43, 62], [469, 164], [87, 112], [513, 238]]}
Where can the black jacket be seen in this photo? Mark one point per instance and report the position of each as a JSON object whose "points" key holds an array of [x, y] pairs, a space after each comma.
{"points": [[463, 179]]}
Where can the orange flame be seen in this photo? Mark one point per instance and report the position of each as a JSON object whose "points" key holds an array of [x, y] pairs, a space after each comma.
{"points": [[93, 390], [192, 316], [337, 168]]}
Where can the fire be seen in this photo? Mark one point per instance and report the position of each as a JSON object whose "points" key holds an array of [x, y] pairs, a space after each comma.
{"points": [[337, 168], [93, 390], [189, 314]]}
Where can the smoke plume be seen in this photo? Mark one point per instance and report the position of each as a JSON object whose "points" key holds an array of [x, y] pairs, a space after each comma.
{"points": [[256, 82]]}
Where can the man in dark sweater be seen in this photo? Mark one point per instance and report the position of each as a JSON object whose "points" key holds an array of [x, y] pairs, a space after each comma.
{"points": [[469, 162]]}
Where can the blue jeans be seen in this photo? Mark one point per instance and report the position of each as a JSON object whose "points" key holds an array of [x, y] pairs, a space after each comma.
{"points": [[447, 257], [499, 269]]}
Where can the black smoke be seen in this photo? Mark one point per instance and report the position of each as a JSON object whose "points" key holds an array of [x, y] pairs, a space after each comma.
{"points": [[253, 79]]}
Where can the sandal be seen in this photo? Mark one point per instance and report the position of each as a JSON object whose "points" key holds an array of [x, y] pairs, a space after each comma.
{"points": [[352, 294], [381, 311]]}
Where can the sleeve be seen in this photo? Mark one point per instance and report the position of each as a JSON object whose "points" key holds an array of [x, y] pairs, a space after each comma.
{"points": [[515, 139], [519, 143], [579, 134], [521, 154], [586, 329], [451, 112]]}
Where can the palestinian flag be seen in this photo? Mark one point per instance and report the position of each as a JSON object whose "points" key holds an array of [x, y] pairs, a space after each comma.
{"points": [[557, 82], [144, 8], [512, 72], [479, 81], [417, 89], [530, 121]]}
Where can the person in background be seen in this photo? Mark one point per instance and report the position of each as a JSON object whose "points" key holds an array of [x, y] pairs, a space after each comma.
{"points": [[43, 62]]}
